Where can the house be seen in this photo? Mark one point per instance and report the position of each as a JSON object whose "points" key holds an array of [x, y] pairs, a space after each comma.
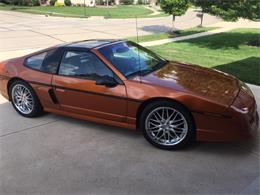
{"points": [[92, 3], [88, 3]]}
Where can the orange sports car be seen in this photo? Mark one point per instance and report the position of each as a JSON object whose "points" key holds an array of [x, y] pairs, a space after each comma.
{"points": [[121, 83]]}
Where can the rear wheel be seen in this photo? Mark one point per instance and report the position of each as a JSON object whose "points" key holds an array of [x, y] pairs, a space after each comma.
{"points": [[167, 125], [24, 99]]}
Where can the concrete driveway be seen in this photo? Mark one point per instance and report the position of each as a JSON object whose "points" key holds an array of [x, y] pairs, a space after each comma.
{"points": [[59, 155]]}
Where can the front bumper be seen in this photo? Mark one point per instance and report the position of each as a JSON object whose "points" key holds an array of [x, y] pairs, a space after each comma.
{"points": [[242, 124], [246, 111]]}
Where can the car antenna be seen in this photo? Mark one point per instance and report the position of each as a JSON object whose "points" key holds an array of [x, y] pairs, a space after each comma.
{"points": [[137, 40]]}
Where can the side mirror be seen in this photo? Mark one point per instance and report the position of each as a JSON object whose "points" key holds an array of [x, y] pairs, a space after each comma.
{"points": [[107, 81]]}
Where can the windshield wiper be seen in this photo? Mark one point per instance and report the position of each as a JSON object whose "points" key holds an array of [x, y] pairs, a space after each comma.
{"points": [[160, 65], [147, 71], [139, 72]]}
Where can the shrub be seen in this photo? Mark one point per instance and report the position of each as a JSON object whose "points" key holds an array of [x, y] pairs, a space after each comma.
{"points": [[36, 3], [67, 2], [59, 4], [52, 2], [140, 2], [127, 2], [5, 1], [21, 2], [43, 2]]}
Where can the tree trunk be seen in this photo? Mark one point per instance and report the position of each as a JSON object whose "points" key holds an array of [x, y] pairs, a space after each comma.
{"points": [[173, 21], [201, 19]]}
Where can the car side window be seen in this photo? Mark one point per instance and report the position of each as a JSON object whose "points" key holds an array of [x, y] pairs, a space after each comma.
{"points": [[45, 62], [83, 65], [35, 62], [51, 61]]}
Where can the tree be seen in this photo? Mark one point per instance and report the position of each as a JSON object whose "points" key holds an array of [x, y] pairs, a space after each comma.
{"points": [[231, 10], [175, 8]]}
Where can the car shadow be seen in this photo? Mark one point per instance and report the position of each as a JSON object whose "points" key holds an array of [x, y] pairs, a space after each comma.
{"points": [[246, 147], [100, 127], [227, 148]]}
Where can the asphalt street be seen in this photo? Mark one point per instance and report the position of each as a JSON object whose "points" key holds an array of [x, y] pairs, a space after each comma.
{"points": [[22, 33]]}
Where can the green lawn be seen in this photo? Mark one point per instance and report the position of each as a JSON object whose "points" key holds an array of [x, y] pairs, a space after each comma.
{"points": [[122, 11], [226, 51], [167, 35]]}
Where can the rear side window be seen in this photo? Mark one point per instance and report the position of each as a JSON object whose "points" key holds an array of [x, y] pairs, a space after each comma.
{"points": [[45, 62], [35, 62]]}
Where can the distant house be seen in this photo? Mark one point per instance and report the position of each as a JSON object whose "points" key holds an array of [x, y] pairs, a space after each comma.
{"points": [[88, 3], [92, 3]]}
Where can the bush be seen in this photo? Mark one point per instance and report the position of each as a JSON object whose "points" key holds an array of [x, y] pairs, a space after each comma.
{"points": [[36, 3], [59, 4], [5, 1], [127, 2], [67, 2], [43, 2], [140, 2], [21, 2], [52, 2]]}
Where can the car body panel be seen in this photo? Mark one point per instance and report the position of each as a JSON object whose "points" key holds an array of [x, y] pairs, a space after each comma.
{"points": [[222, 110], [83, 96], [196, 80]]}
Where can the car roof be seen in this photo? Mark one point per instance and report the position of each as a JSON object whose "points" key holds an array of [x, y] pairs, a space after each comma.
{"points": [[90, 44]]}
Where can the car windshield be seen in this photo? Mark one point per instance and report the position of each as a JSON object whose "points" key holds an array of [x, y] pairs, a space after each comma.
{"points": [[132, 59]]}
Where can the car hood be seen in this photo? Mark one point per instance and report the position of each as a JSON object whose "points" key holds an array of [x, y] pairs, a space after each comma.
{"points": [[196, 80]]}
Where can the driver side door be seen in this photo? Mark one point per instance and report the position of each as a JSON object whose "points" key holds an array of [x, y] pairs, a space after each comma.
{"points": [[77, 91]]}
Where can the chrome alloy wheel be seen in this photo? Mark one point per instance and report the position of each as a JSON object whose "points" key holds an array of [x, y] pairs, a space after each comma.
{"points": [[166, 126], [22, 99]]}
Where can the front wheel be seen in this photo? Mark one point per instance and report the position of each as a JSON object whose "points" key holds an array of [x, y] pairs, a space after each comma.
{"points": [[167, 125], [24, 99]]}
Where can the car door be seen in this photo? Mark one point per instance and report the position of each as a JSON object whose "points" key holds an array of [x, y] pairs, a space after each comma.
{"points": [[77, 91]]}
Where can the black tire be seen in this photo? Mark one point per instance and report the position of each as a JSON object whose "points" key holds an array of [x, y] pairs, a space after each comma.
{"points": [[37, 108], [190, 133]]}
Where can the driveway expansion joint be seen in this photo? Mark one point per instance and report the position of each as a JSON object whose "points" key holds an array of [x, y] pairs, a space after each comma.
{"points": [[26, 129]]}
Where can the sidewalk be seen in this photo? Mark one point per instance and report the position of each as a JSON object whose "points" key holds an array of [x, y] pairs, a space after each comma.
{"points": [[203, 34], [155, 12], [224, 27]]}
